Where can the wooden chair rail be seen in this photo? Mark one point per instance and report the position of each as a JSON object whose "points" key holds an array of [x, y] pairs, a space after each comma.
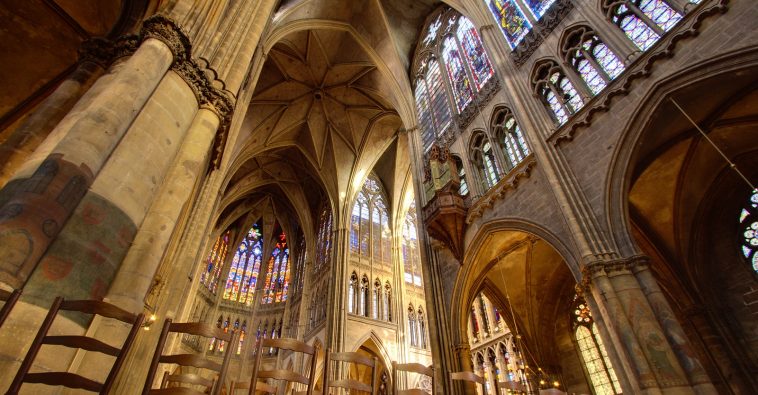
{"points": [[281, 374], [414, 391], [467, 376], [10, 299], [189, 378], [414, 368], [289, 344], [70, 380], [195, 360], [200, 329], [83, 342], [176, 391], [98, 307], [352, 357], [352, 385]]}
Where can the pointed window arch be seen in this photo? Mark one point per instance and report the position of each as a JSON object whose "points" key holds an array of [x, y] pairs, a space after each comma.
{"points": [[352, 294], [364, 305], [278, 276], [557, 92], [591, 58], [484, 161], [749, 227], [591, 348], [209, 276], [245, 266], [324, 241], [510, 137], [370, 233], [387, 304], [412, 327], [643, 21], [376, 299]]}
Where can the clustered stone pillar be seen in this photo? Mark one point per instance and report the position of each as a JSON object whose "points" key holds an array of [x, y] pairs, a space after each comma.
{"points": [[659, 358]]}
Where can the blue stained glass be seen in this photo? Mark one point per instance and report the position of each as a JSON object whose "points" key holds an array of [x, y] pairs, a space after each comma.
{"points": [[642, 35], [607, 59], [511, 20], [539, 7], [457, 74], [475, 53], [574, 101], [661, 13], [243, 273], [555, 105], [424, 115], [594, 81], [749, 221], [440, 106]]}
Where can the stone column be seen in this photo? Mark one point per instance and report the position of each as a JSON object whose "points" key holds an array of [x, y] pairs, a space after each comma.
{"points": [[95, 57], [90, 132], [696, 374], [463, 353]]}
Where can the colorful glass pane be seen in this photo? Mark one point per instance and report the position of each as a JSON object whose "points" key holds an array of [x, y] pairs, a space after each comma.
{"points": [[555, 105], [489, 165], [324, 241], [440, 106], [593, 361], [457, 74], [591, 77], [209, 276], [749, 225], [642, 35], [243, 272], [278, 276], [511, 19], [424, 115], [605, 58], [659, 12], [474, 52], [539, 7]]}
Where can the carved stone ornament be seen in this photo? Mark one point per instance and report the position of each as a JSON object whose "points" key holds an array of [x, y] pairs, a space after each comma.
{"points": [[125, 46], [97, 50], [163, 28], [541, 29]]}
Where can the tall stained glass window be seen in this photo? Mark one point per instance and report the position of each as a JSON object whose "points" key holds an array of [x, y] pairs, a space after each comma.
{"points": [[423, 108], [370, 235], [457, 74], [538, 7], [278, 276], [591, 58], [510, 137], [592, 350], [749, 226], [511, 19], [557, 92], [245, 266], [643, 21], [440, 106], [323, 241], [411, 258], [484, 161], [474, 52], [209, 276]]}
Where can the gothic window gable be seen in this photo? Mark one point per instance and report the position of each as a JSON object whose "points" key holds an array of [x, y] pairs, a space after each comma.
{"points": [[643, 21], [483, 159], [590, 58], [558, 94], [510, 137]]}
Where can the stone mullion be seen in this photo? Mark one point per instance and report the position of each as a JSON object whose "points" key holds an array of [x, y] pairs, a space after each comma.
{"points": [[649, 22], [579, 84], [609, 33], [696, 374], [600, 70]]}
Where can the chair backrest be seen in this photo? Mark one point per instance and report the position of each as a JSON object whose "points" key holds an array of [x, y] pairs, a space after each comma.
{"points": [[245, 385], [350, 384], [509, 385], [195, 360], [468, 377], [283, 374], [72, 380], [10, 299], [411, 368]]}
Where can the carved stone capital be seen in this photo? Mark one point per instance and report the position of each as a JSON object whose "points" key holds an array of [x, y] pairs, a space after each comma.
{"points": [[125, 46], [97, 50], [163, 28]]}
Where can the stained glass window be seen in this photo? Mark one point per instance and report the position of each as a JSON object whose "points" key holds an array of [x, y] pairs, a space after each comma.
{"points": [[324, 241], [463, 188], [411, 258], [539, 7], [424, 115], [510, 137], [245, 266], [556, 90], [484, 161], [457, 74], [749, 227], [592, 350], [370, 232], [352, 294], [241, 341], [474, 52], [511, 19], [440, 106], [412, 329], [591, 58], [643, 21], [209, 276], [278, 276]]}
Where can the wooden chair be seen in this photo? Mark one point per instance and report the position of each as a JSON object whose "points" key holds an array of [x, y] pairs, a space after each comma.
{"points": [[283, 374], [468, 377], [72, 380], [411, 368], [509, 385], [212, 387], [349, 384], [245, 385], [10, 299]]}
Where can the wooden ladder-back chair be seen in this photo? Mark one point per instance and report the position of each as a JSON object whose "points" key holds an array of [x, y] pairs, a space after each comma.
{"points": [[411, 368], [509, 385], [10, 299], [350, 384], [72, 380], [283, 374], [468, 377], [212, 387], [245, 385]]}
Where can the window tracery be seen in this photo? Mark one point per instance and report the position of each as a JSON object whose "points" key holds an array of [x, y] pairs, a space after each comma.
{"points": [[214, 263], [484, 161], [556, 91], [643, 21], [370, 235], [463, 188], [591, 58], [592, 350], [244, 269], [510, 137], [411, 258], [278, 276]]}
